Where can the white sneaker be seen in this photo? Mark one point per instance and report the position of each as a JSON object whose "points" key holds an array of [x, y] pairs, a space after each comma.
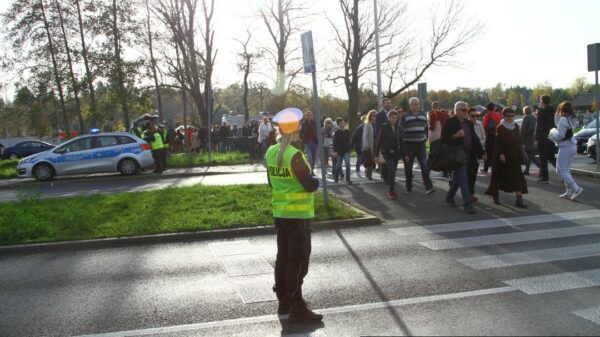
{"points": [[565, 195], [576, 194]]}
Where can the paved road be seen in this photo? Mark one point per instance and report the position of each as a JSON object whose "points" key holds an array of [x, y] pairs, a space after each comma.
{"points": [[429, 270]]}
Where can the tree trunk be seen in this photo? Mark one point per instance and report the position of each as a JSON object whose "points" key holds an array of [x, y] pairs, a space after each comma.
{"points": [[119, 67], [56, 74], [70, 62], [153, 64], [88, 73], [245, 95]]}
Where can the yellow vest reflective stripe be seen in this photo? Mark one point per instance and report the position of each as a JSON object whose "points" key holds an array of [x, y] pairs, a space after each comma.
{"points": [[157, 143], [164, 138], [289, 200]]}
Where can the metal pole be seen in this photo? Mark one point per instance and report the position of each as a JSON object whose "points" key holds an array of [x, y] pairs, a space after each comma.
{"points": [[379, 94], [209, 109], [320, 138], [597, 127]]}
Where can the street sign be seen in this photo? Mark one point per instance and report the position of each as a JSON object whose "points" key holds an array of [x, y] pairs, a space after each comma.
{"points": [[593, 51], [308, 53], [422, 93]]}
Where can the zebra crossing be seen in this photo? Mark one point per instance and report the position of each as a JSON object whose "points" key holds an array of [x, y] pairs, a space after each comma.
{"points": [[532, 285]]}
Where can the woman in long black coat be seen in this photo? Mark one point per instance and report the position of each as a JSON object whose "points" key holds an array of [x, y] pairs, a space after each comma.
{"points": [[506, 162]]}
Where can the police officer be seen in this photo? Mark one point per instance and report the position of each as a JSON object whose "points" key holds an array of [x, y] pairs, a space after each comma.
{"points": [[290, 177], [166, 144], [154, 138], [137, 130]]}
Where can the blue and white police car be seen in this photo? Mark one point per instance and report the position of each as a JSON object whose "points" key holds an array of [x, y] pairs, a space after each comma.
{"points": [[91, 153]]}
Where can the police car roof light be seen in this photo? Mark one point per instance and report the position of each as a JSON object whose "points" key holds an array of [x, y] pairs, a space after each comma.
{"points": [[94, 131]]}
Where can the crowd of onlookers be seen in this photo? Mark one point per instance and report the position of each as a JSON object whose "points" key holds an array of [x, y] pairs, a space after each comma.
{"points": [[492, 140]]}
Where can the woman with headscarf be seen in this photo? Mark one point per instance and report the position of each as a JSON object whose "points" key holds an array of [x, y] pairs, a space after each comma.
{"points": [[506, 163]]}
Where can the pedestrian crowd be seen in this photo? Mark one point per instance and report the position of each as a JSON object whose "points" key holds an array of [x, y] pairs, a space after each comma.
{"points": [[460, 142]]}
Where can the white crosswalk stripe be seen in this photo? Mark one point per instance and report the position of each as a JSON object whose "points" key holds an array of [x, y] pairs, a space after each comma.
{"points": [[530, 257], [495, 223], [487, 240], [591, 314], [556, 282], [532, 285]]}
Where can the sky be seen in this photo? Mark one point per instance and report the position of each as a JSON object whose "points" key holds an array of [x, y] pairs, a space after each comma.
{"points": [[525, 42]]}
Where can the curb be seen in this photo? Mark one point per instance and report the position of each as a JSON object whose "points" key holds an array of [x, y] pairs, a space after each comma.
{"points": [[585, 173], [180, 237]]}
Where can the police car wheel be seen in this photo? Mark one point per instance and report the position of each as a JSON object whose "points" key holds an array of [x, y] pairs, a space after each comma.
{"points": [[128, 166], [43, 172]]}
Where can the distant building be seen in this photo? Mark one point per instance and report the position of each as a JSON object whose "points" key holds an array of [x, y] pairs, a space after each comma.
{"points": [[583, 102]]}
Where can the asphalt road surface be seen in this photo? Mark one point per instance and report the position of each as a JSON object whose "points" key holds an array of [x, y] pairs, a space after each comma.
{"points": [[430, 270]]}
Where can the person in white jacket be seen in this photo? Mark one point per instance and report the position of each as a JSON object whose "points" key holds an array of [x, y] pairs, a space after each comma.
{"points": [[263, 133], [567, 148]]}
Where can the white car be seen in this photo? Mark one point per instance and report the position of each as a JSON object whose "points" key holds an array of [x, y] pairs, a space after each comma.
{"points": [[90, 153]]}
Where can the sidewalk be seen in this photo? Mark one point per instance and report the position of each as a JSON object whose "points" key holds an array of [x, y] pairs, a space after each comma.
{"points": [[170, 172]]}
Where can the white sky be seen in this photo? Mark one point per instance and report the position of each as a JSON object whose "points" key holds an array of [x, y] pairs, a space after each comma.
{"points": [[526, 42]]}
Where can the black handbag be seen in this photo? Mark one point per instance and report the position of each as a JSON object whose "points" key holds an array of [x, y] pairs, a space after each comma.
{"points": [[523, 157], [445, 157]]}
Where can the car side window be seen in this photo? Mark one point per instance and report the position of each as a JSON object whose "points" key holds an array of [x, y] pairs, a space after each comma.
{"points": [[79, 145], [106, 141], [125, 140]]}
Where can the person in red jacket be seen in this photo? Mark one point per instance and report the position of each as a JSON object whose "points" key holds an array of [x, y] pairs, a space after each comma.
{"points": [[491, 120]]}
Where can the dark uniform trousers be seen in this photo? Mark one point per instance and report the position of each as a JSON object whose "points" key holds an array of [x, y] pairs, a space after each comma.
{"points": [[159, 159], [293, 254]]}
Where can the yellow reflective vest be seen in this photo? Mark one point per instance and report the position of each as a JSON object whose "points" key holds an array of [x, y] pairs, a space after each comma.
{"points": [[290, 200]]}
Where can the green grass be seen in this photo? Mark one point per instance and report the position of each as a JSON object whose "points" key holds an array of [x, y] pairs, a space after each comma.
{"points": [[219, 158], [170, 210], [8, 169]]}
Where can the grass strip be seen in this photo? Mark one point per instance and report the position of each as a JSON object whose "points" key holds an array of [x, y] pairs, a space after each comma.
{"points": [[8, 169], [172, 210], [217, 158]]}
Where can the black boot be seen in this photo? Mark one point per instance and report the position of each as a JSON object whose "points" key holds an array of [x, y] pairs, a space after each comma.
{"points": [[519, 202], [300, 313]]}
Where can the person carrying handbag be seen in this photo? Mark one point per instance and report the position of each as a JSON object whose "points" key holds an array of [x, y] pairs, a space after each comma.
{"points": [[459, 131], [567, 148]]}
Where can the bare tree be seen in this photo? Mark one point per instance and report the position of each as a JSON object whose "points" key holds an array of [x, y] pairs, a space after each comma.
{"points": [[179, 18], [210, 52], [450, 32], [357, 41], [282, 19], [246, 65], [74, 83], [55, 69], [153, 66], [89, 77]]}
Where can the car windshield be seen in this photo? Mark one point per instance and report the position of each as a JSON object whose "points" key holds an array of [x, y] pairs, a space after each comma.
{"points": [[591, 125]]}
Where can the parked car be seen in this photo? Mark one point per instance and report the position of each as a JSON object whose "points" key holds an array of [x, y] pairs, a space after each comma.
{"points": [[591, 146], [25, 149], [583, 135], [92, 153]]}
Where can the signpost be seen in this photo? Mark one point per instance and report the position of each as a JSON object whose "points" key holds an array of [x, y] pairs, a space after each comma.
{"points": [[308, 56], [594, 65], [422, 92]]}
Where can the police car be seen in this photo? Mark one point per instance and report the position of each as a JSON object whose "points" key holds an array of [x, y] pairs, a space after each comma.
{"points": [[91, 153]]}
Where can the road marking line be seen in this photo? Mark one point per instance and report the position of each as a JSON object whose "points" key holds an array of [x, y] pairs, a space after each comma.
{"points": [[495, 239], [228, 248], [531, 257], [328, 311], [592, 314], [493, 223], [556, 282]]}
